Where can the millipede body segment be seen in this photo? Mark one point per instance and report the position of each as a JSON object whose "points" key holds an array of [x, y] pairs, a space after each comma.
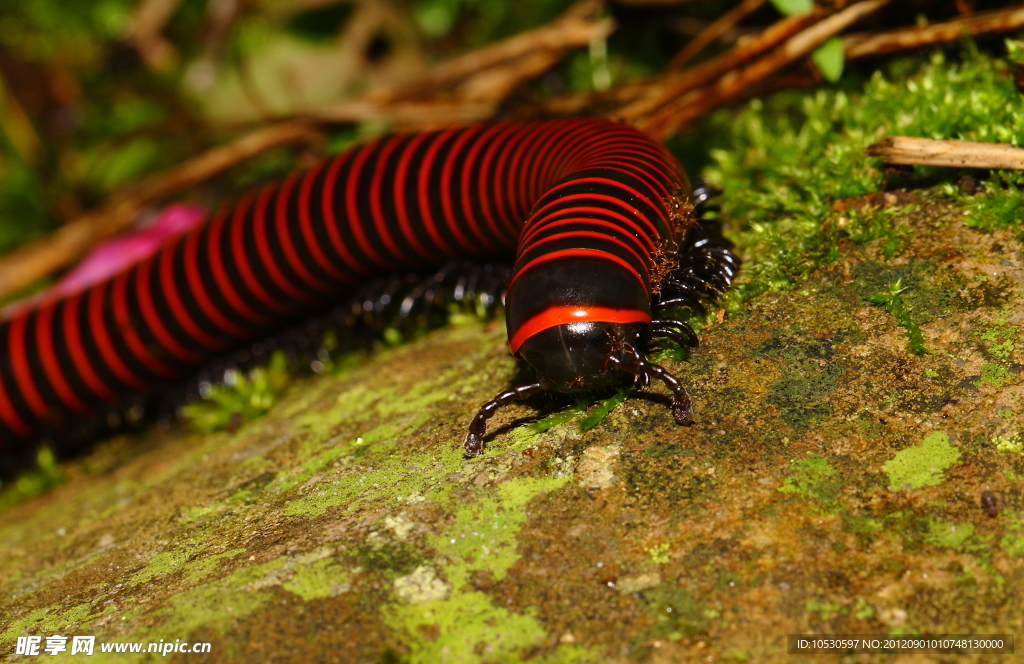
{"points": [[587, 208]]}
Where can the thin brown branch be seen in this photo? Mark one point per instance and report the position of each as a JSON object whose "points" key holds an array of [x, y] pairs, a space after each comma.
{"points": [[471, 87], [577, 27], [863, 45], [38, 259], [405, 115], [736, 84], [720, 26], [674, 85], [913, 151]]}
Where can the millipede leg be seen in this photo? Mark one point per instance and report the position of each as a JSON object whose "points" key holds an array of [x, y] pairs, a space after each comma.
{"points": [[635, 363], [682, 409], [675, 329], [474, 444]]}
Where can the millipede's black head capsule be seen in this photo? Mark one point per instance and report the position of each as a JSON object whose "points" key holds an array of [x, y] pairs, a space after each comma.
{"points": [[575, 356]]}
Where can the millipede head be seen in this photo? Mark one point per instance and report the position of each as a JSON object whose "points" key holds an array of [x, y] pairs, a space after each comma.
{"points": [[581, 356], [575, 356]]}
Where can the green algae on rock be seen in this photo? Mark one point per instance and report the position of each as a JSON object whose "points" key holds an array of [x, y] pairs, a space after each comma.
{"points": [[923, 464]]}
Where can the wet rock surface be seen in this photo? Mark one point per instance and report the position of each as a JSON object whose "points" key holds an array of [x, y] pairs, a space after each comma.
{"points": [[833, 482]]}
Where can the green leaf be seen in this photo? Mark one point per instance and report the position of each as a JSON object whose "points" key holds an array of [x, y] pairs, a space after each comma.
{"points": [[794, 7], [829, 59]]}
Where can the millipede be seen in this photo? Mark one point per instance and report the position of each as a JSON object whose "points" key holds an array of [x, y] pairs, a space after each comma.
{"points": [[597, 216]]}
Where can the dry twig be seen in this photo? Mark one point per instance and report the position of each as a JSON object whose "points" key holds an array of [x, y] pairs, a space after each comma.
{"points": [[863, 45], [470, 88], [959, 154], [720, 26], [736, 84]]}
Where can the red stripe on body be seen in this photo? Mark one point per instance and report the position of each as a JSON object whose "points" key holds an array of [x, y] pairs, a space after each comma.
{"points": [[266, 255], [352, 194], [195, 283], [594, 234], [152, 317], [377, 210], [10, 415], [538, 217], [493, 154], [355, 222], [544, 224], [98, 326], [245, 268], [563, 253], [123, 318], [564, 315], [464, 203], [287, 243], [17, 352], [401, 210], [469, 170], [174, 301], [423, 195], [306, 225], [48, 355], [220, 273], [73, 337]]}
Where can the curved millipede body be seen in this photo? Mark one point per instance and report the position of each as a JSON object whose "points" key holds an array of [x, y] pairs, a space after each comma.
{"points": [[592, 211]]}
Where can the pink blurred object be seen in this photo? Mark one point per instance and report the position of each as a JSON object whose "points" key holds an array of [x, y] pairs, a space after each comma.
{"points": [[118, 253], [115, 255]]}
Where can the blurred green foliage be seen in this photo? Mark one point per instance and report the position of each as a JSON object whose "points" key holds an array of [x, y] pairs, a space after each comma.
{"points": [[252, 395], [46, 475]]}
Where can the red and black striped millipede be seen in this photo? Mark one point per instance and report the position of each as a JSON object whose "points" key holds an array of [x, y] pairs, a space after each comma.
{"points": [[594, 212]]}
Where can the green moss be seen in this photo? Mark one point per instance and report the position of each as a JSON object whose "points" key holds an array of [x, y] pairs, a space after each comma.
{"points": [[389, 557], [1011, 443], [810, 375], [784, 161], [923, 464], [603, 407], [994, 374], [949, 535], [212, 606], [482, 536], [162, 564], [324, 578], [824, 609], [892, 301], [46, 475], [228, 406], [862, 610], [467, 626], [855, 523], [678, 615], [469, 629], [1013, 540], [46, 621], [659, 553], [814, 479], [999, 339]]}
